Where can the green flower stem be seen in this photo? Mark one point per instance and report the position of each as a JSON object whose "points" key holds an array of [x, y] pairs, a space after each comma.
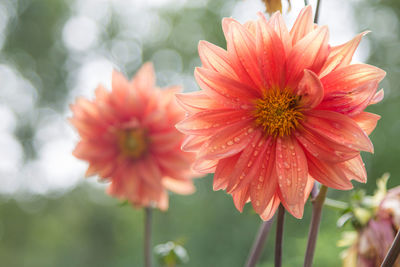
{"points": [[393, 253], [318, 203], [306, 2], [336, 204], [147, 236], [316, 16], [279, 236], [258, 244]]}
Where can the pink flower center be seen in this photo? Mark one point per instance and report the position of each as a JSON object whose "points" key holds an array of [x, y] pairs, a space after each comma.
{"points": [[278, 112], [132, 142]]}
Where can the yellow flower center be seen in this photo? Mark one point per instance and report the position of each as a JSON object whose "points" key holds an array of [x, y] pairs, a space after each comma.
{"points": [[132, 142], [278, 112]]}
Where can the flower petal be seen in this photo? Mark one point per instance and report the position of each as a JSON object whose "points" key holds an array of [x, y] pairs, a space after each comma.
{"points": [[103, 168], [340, 56], [309, 53], [224, 90], [377, 97], [192, 143], [339, 129], [292, 171], [226, 22], [242, 54], [309, 187], [227, 142], [165, 141], [249, 164], [354, 169], [328, 174], [278, 24], [251, 27], [352, 102], [145, 77], [209, 121], [149, 172], [241, 197], [353, 76], [171, 164], [271, 54], [270, 210], [310, 89], [303, 25], [183, 187], [223, 172], [205, 166], [196, 101], [367, 121], [163, 201], [119, 85], [216, 58], [324, 149], [95, 150], [264, 187]]}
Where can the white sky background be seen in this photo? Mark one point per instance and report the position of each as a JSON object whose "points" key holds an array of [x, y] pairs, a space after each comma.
{"points": [[55, 169]]}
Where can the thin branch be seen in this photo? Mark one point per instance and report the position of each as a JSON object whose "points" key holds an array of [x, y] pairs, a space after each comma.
{"points": [[279, 236], [258, 244], [318, 203], [317, 12], [393, 253], [147, 237]]}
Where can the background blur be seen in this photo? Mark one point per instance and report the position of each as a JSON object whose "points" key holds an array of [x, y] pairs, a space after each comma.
{"points": [[54, 50]]}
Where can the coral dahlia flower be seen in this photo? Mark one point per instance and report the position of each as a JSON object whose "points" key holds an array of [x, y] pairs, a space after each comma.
{"points": [[279, 109], [128, 137]]}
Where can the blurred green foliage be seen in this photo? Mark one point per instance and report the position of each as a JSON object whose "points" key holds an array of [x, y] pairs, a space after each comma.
{"points": [[84, 227], [171, 254]]}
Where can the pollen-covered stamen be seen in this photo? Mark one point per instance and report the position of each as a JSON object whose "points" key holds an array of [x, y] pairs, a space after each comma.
{"points": [[278, 112], [132, 142]]}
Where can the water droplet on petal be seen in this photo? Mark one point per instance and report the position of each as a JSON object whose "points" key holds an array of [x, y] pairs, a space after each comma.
{"points": [[287, 166]]}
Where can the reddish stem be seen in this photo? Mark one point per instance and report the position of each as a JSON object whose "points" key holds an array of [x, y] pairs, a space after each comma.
{"points": [[147, 237], [258, 244], [279, 236], [318, 203]]}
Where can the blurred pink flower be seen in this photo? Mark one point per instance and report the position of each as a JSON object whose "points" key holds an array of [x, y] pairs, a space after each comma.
{"points": [[376, 222], [374, 242], [128, 137], [279, 109], [376, 239], [390, 207]]}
